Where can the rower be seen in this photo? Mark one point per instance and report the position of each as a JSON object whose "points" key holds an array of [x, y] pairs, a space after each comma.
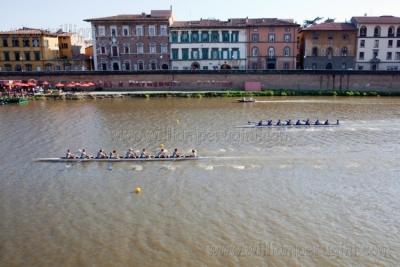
{"points": [[317, 122], [270, 123], [144, 154], [69, 155], [101, 154], [161, 154], [193, 154], [130, 154], [114, 155], [289, 122], [176, 154], [298, 122], [326, 122], [308, 122], [84, 154], [337, 122], [278, 123], [260, 123]]}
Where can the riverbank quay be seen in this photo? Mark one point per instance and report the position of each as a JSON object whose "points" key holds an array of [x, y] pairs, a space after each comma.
{"points": [[201, 94]]}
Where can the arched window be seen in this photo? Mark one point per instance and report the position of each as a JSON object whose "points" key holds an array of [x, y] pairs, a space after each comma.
{"points": [[115, 66], [377, 31], [363, 31], [315, 52], [286, 51], [398, 32], [271, 52], [329, 52], [254, 52], [391, 31], [153, 65], [344, 52]]}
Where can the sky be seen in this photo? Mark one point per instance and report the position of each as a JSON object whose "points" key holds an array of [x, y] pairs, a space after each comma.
{"points": [[69, 15]]}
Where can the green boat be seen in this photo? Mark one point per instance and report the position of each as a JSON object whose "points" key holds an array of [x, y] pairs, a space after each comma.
{"points": [[13, 100]]}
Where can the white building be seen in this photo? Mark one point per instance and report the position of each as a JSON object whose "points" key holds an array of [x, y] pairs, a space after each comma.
{"points": [[208, 45], [378, 43]]}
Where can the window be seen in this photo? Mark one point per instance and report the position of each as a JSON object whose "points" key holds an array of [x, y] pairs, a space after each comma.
{"points": [[376, 44], [184, 37], [235, 36], [344, 51], [114, 50], [18, 68], [102, 50], [375, 53], [5, 42], [344, 66], [153, 65], [28, 67], [15, 42], [175, 54], [398, 32], [174, 37], [361, 56], [205, 67], [214, 53], [126, 49], [204, 53], [360, 67], [195, 54], [271, 52], [6, 56], [139, 30], [225, 36], [254, 52], [286, 51], [152, 30], [314, 66], [125, 30], [115, 66], [345, 36], [390, 43], [139, 48], [37, 56], [315, 36], [285, 66], [391, 31], [26, 43], [329, 52], [103, 66], [35, 42], [195, 36], [397, 55], [140, 65], [287, 37], [164, 48], [398, 43], [113, 30], [235, 53], [215, 36], [28, 56], [8, 67], [153, 48], [315, 51], [389, 56], [17, 56], [101, 31], [363, 31], [362, 43], [255, 37], [185, 54], [377, 31], [271, 38], [225, 53], [126, 66], [205, 37], [164, 30]]}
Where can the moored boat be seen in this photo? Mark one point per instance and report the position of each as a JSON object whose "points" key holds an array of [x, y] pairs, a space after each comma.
{"points": [[246, 100]]}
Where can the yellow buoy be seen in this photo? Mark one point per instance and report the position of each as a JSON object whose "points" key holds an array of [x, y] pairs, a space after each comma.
{"points": [[138, 190]]}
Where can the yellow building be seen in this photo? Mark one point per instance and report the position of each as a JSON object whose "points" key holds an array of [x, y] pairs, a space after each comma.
{"points": [[29, 49]]}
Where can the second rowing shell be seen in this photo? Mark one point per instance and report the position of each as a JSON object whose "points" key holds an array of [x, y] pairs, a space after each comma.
{"points": [[285, 126], [117, 160]]}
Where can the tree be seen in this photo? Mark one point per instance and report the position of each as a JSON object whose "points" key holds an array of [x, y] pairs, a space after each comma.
{"points": [[311, 22]]}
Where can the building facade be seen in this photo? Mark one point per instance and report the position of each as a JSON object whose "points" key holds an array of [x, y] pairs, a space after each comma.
{"points": [[329, 46], [271, 43], [378, 43], [208, 45], [132, 42]]}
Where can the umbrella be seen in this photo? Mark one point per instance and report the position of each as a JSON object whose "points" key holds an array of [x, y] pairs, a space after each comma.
{"points": [[59, 84], [45, 83], [31, 84], [71, 85]]}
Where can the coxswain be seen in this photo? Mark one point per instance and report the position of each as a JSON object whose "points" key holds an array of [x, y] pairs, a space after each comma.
{"points": [[176, 154], [193, 154], [84, 154], [69, 155], [161, 154], [317, 122], [101, 154], [114, 155], [144, 154], [326, 122], [289, 122], [278, 123], [298, 122]]}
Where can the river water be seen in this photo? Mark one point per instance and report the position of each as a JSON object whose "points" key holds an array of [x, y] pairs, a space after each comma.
{"points": [[294, 197]]}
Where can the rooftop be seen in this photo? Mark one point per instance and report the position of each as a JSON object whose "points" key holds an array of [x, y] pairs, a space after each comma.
{"points": [[235, 22], [333, 26], [154, 14], [28, 31], [376, 20]]}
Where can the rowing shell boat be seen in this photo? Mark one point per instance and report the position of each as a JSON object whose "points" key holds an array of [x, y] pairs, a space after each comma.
{"points": [[116, 160], [286, 126]]}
